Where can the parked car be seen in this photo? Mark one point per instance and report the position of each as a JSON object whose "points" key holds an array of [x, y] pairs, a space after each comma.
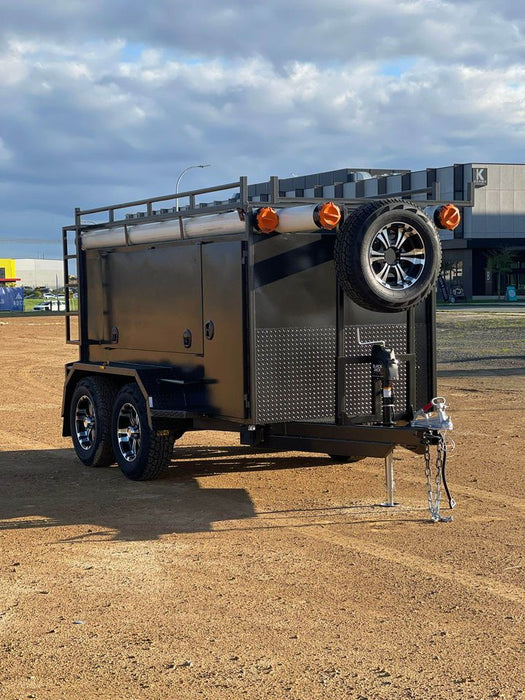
{"points": [[51, 305]]}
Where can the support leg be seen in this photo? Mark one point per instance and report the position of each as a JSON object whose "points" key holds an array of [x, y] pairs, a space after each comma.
{"points": [[390, 483]]}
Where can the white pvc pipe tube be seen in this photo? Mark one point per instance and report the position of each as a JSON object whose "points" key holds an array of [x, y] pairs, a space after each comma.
{"points": [[214, 224], [297, 219], [104, 238]]}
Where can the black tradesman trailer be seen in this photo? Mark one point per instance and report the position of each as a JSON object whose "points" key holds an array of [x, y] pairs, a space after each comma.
{"points": [[300, 324]]}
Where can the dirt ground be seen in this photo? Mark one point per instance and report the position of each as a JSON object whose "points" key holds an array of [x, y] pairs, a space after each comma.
{"points": [[260, 576]]}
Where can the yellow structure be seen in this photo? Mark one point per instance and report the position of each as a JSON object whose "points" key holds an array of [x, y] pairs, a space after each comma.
{"points": [[7, 271]]}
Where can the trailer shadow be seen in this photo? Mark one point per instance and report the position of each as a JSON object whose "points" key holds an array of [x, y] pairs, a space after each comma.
{"points": [[52, 489], [210, 461]]}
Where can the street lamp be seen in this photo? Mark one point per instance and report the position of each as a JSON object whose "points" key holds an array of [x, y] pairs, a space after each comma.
{"points": [[190, 167]]}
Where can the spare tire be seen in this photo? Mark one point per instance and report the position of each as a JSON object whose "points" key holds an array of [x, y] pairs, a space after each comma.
{"points": [[387, 255]]}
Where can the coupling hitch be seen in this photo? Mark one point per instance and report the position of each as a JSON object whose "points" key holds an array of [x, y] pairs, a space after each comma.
{"points": [[434, 421], [425, 419]]}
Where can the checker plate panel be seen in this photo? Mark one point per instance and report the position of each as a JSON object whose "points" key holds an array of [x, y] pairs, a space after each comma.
{"points": [[295, 372]]}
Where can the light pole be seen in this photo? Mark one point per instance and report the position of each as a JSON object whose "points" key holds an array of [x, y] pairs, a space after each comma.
{"points": [[190, 167]]}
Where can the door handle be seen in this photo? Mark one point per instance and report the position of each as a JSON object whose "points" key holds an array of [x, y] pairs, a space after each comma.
{"points": [[209, 330]]}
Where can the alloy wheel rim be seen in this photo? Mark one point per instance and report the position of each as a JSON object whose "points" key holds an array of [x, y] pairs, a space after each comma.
{"points": [[397, 256], [128, 432], [85, 422]]}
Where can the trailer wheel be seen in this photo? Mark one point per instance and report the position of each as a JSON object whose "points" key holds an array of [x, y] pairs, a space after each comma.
{"points": [[90, 421], [387, 255], [345, 459], [141, 453]]}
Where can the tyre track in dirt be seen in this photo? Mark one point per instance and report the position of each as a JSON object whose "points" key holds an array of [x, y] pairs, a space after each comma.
{"points": [[398, 557], [34, 378], [323, 531]]}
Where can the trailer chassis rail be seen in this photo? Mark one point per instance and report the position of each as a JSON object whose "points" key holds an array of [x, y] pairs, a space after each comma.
{"points": [[355, 441]]}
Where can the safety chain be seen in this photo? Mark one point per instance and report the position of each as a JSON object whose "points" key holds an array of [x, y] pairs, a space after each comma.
{"points": [[434, 489]]}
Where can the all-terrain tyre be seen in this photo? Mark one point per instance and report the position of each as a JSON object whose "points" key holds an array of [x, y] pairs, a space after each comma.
{"points": [[90, 420], [141, 453], [387, 255]]}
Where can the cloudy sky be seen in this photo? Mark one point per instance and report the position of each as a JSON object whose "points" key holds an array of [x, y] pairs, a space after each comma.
{"points": [[108, 100]]}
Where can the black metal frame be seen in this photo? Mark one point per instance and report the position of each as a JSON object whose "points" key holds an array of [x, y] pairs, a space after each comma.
{"points": [[351, 440], [342, 437]]}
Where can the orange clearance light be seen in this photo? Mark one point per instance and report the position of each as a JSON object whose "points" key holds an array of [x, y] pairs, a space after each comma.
{"points": [[329, 215], [267, 220], [449, 217]]}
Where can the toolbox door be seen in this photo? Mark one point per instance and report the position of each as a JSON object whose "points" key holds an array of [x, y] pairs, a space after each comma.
{"points": [[223, 294], [155, 298]]}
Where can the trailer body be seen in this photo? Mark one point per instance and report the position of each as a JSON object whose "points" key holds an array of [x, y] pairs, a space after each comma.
{"points": [[210, 322]]}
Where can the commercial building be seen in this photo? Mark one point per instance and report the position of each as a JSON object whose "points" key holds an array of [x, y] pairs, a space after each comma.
{"points": [[40, 273], [7, 272], [11, 299]]}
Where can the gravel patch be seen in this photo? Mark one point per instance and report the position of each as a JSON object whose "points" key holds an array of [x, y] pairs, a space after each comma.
{"points": [[480, 342]]}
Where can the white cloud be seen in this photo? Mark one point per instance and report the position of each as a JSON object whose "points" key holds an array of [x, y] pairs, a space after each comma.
{"points": [[107, 101], [5, 154]]}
